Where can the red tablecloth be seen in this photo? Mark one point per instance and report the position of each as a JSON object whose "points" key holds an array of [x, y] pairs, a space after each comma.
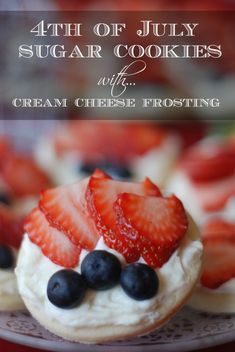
{"points": [[11, 347]]}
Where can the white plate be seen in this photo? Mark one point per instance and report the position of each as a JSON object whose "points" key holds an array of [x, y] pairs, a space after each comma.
{"points": [[189, 330]]}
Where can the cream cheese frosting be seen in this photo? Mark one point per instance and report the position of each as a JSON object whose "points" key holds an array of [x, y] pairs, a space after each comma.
{"points": [[8, 284], [158, 162], [112, 306]]}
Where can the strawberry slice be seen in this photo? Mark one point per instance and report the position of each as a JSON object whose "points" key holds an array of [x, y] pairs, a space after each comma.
{"points": [[11, 227], [213, 196], [5, 149], [144, 137], [65, 209], [53, 243], [209, 163], [94, 141], [23, 176], [101, 174], [15, 231], [86, 138], [218, 227], [158, 224], [101, 195], [219, 252]]}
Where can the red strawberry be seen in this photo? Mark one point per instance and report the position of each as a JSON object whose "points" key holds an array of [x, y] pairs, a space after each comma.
{"points": [[143, 137], [101, 195], [15, 232], [23, 176], [53, 243], [209, 163], [219, 252], [190, 131], [214, 195], [100, 174], [218, 227], [65, 209], [98, 140], [11, 227], [158, 224], [5, 149], [81, 136]]}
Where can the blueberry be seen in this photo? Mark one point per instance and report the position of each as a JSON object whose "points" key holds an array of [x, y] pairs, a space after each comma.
{"points": [[101, 270], [66, 288], [5, 199], [113, 169], [139, 281], [6, 257], [88, 168], [118, 171]]}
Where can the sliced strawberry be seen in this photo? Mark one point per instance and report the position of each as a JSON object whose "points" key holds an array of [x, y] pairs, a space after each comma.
{"points": [[218, 237], [11, 227], [189, 131], [143, 137], [53, 243], [214, 195], [218, 227], [209, 163], [5, 149], [101, 195], [86, 138], [158, 224], [150, 189], [23, 176], [15, 232], [95, 141], [101, 174], [65, 209]]}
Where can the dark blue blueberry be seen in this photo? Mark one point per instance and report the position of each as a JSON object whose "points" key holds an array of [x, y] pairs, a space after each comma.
{"points": [[6, 257], [115, 170], [118, 171], [101, 270], [5, 199], [88, 168], [139, 281], [66, 288]]}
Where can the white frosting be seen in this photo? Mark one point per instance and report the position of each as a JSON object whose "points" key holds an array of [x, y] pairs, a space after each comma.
{"points": [[8, 284], [181, 185], [155, 164], [112, 306], [25, 204], [158, 162], [61, 170]]}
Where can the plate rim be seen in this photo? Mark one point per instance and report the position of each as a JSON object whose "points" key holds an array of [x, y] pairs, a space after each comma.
{"points": [[39, 343]]}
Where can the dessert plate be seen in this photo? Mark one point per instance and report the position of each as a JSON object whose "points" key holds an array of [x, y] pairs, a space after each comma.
{"points": [[189, 330]]}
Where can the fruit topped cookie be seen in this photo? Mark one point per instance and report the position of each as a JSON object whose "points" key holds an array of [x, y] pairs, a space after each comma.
{"points": [[126, 150], [216, 290], [20, 183], [103, 260], [205, 181]]}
